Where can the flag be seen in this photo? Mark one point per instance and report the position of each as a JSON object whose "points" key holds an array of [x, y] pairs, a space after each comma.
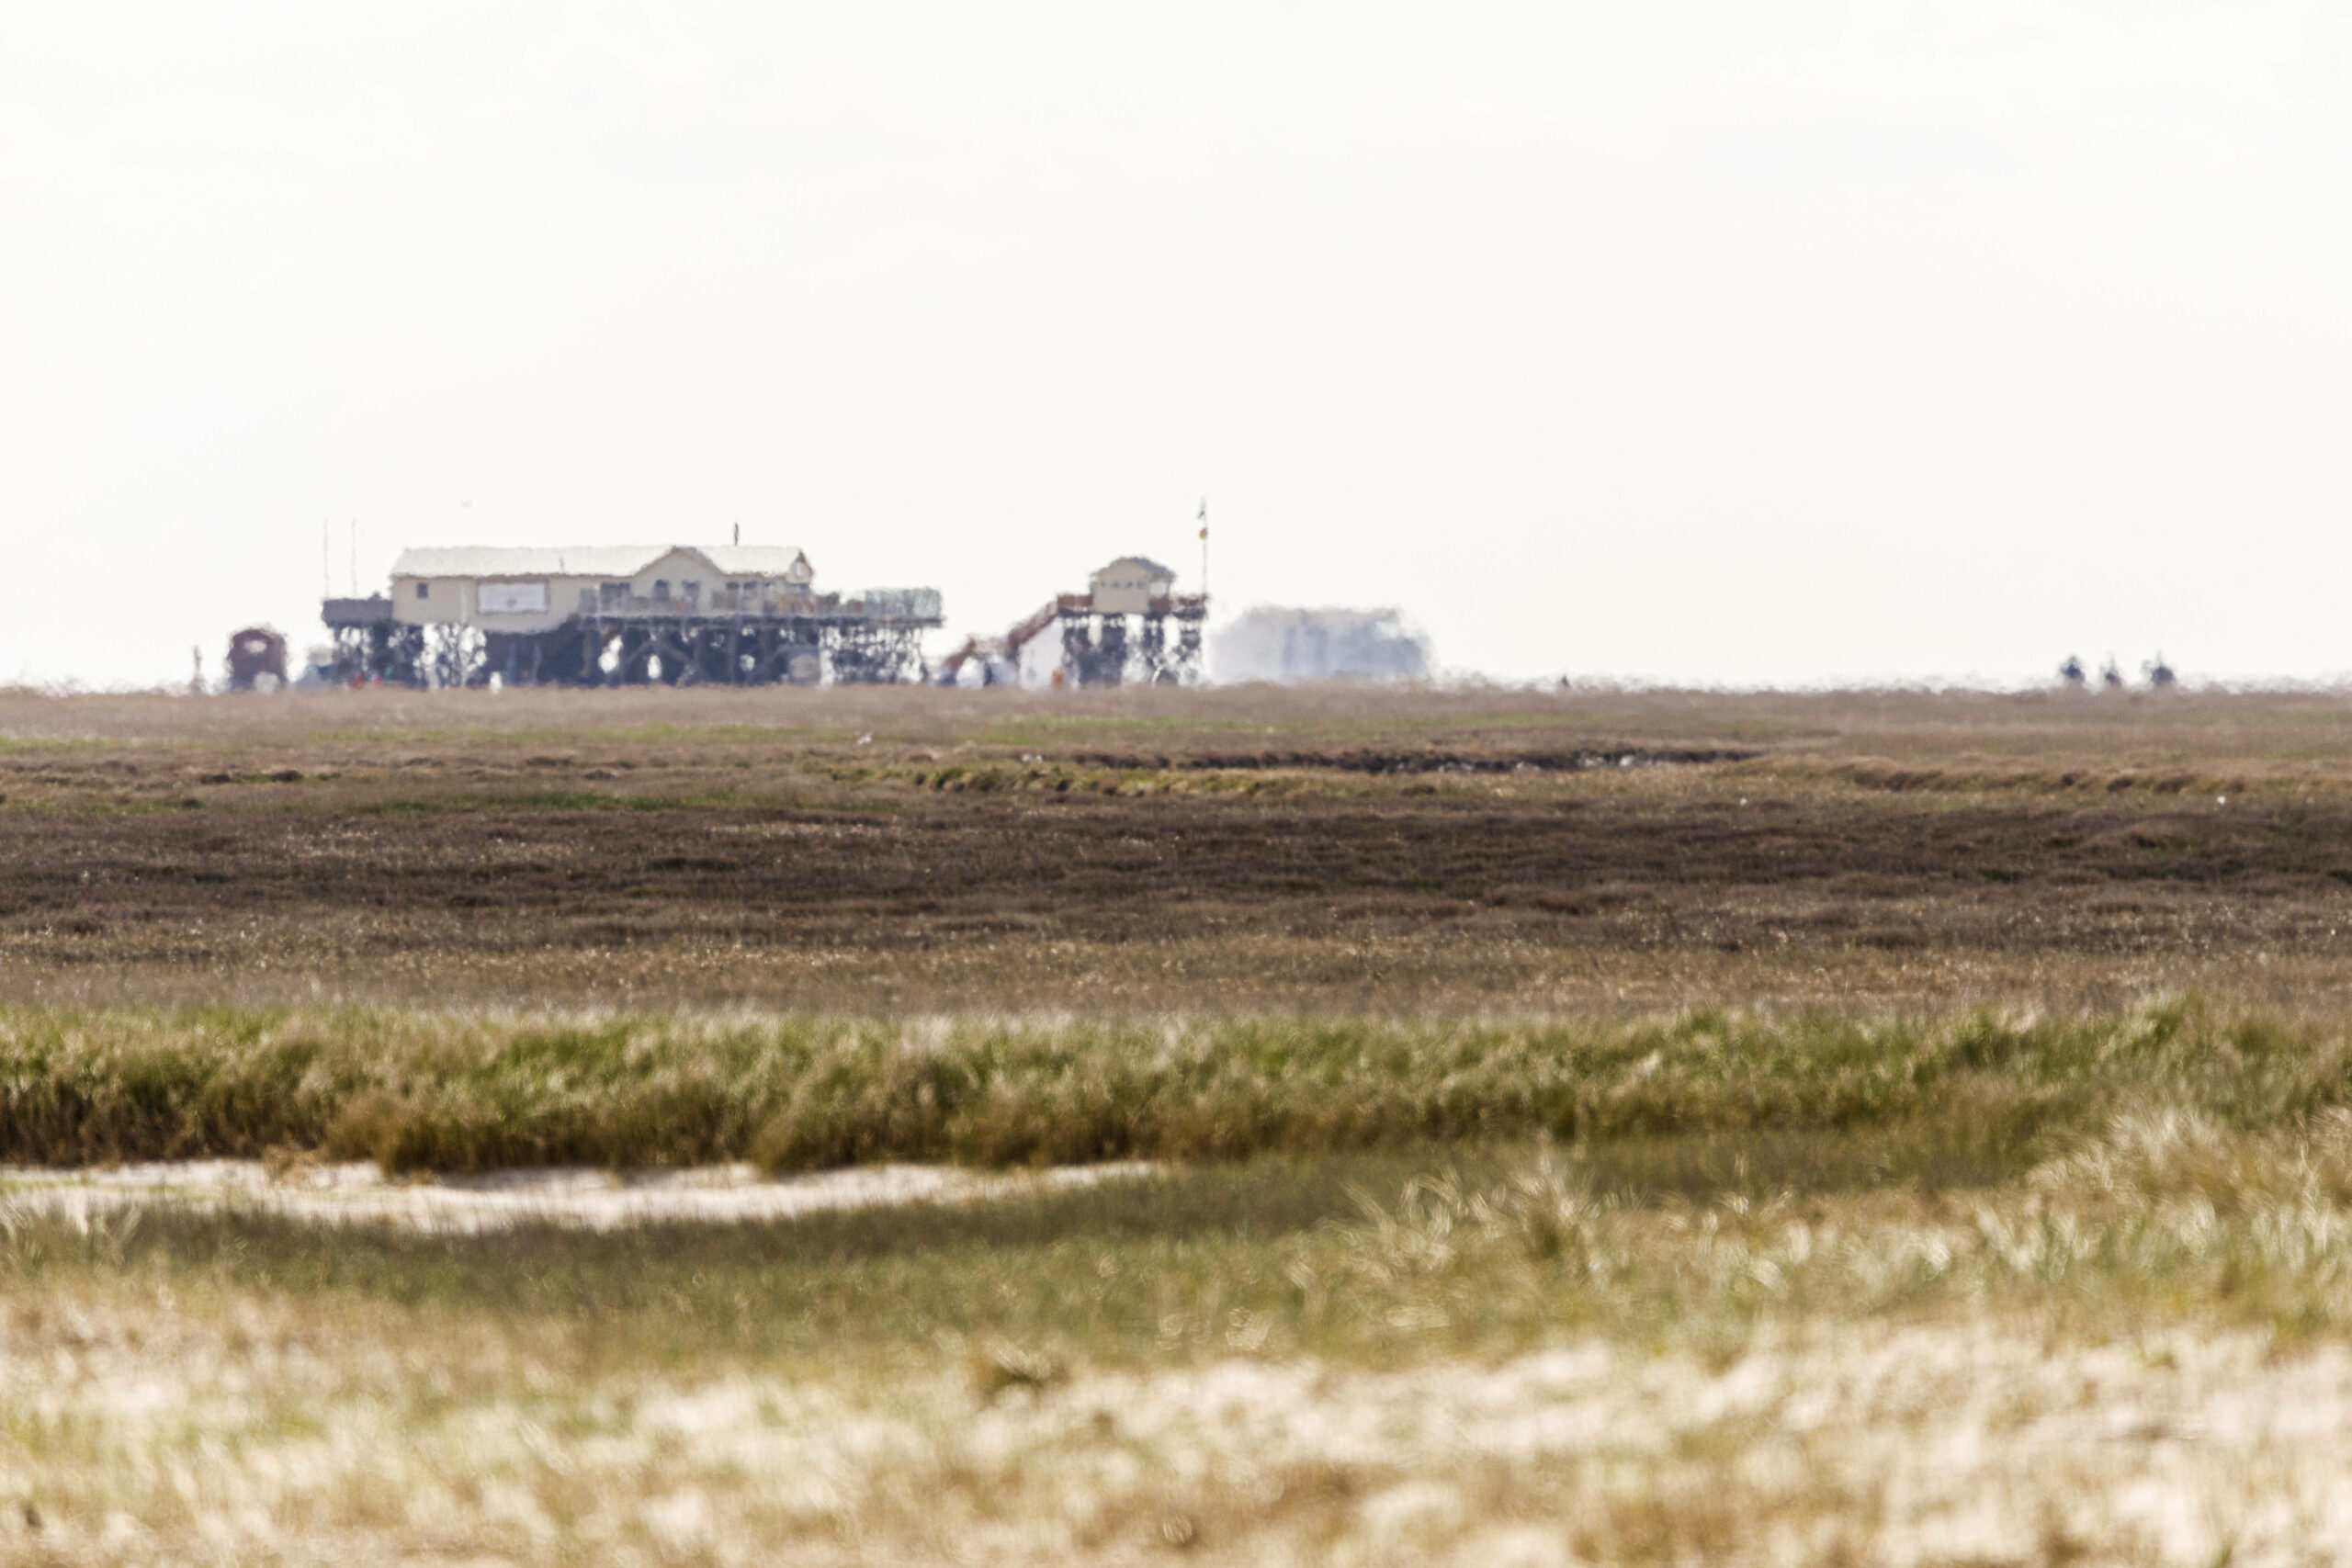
{"points": [[1205, 517]]}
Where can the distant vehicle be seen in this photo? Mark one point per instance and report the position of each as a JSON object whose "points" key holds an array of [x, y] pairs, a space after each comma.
{"points": [[257, 660]]}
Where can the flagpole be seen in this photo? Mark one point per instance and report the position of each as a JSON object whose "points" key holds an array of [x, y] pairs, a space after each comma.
{"points": [[1205, 549]]}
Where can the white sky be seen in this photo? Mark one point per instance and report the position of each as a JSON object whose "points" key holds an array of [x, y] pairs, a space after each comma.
{"points": [[1743, 343]]}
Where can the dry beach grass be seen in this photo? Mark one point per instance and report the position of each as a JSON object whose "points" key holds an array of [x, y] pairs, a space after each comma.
{"points": [[2132, 1355], [1587, 1126]]}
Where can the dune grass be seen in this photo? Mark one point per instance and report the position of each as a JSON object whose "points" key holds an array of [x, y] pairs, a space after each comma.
{"points": [[1936, 1289], [1524, 1354], [1667, 1244], [471, 1091]]}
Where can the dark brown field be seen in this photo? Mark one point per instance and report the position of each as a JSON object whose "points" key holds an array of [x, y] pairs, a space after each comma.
{"points": [[1219, 851]]}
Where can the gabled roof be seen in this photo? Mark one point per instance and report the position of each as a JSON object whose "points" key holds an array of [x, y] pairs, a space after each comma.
{"points": [[755, 561], [594, 560]]}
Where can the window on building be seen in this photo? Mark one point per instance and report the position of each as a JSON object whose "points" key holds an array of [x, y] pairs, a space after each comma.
{"points": [[660, 590], [691, 592], [613, 595], [424, 591]]}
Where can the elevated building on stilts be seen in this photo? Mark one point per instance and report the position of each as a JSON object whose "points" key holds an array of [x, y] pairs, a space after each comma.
{"points": [[599, 615]]}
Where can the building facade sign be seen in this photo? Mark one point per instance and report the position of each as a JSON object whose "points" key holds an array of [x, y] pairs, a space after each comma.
{"points": [[512, 598]]}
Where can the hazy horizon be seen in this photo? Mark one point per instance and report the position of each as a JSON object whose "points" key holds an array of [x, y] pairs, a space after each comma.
{"points": [[1695, 344]]}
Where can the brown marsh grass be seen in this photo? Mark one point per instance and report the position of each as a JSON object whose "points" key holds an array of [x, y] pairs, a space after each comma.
{"points": [[1140, 853]]}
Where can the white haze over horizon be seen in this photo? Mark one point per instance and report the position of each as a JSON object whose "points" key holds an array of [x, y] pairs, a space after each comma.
{"points": [[1734, 344]]}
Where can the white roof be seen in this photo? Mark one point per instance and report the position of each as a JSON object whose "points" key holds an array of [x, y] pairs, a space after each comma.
{"points": [[1151, 568], [755, 561], [592, 560]]}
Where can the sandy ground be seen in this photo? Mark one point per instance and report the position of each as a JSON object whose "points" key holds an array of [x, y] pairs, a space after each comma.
{"points": [[595, 1199]]}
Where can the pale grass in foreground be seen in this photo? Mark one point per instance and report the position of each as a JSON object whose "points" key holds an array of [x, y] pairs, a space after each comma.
{"points": [[2134, 1355], [149, 1437]]}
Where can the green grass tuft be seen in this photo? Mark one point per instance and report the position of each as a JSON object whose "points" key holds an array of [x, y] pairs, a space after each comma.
{"points": [[460, 1092]]}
